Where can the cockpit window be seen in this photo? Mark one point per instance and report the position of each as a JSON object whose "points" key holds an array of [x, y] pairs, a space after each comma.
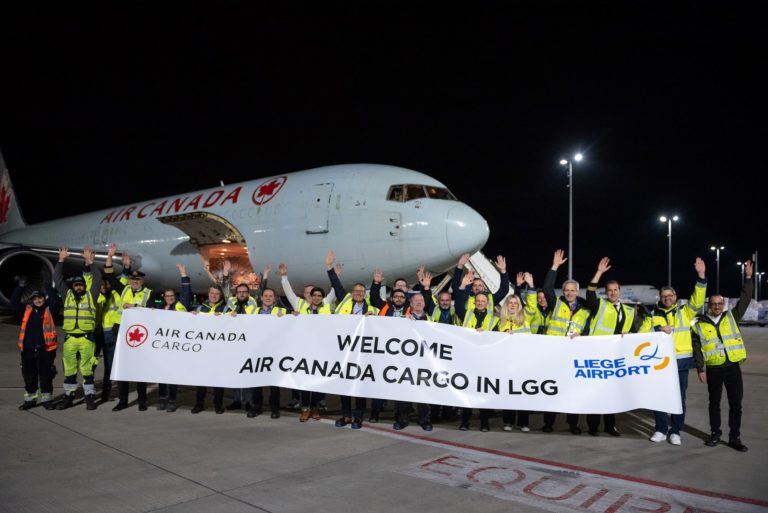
{"points": [[412, 191]]}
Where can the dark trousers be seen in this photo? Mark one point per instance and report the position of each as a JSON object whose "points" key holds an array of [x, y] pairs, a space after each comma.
{"points": [[730, 376], [466, 414], [258, 399], [677, 420], [346, 407], [309, 399], [593, 421], [169, 391], [37, 369], [108, 350], [122, 391], [572, 419], [508, 417], [218, 396], [442, 412]]}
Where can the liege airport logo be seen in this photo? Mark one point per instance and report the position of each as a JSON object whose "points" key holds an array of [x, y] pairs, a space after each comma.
{"points": [[267, 190], [136, 335], [619, 368]]}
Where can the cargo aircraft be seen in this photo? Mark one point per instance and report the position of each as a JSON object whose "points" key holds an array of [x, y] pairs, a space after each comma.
{"points": [[372, 216]]}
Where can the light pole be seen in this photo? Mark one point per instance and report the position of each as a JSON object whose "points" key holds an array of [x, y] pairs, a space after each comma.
{"points": [[717, 260], [742, 272], [569, 163], [669, 220], [759, 284]]}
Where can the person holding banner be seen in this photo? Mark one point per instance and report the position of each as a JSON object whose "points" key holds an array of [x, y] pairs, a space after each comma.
{"points": [[478, 285], [513, 318], [309, 400], [354, 303], [718, 349], [214, 305], [169, 392], [675, 320], [267, 307], [568, 317], [479, 318], [79, 322], [612, 317]]}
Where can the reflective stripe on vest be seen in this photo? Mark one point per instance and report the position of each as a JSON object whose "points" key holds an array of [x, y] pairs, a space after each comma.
{"points": [[323, 309], [438, 313], [110, 307], [599, 325], [471, 302], [140, 298], [715, 344], [79, 315], [250, 307], [562, 323], [489, 321], [49, 329], [681, 332], [507, 326], [346, 305], [275, 310]]}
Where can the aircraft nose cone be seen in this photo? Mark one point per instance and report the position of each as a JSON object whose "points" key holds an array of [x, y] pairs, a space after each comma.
{"points": [[466, 230]]}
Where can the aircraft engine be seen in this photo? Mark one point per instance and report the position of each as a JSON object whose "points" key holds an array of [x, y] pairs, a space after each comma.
{"points": [[37, 269]]}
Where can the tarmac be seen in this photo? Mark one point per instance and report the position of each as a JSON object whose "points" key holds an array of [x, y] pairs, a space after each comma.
{"points": [[130, 461]]}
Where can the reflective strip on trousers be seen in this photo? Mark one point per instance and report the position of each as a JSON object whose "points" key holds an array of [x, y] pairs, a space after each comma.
{"points": [[31, 397], [45, 397], [684, 355], [89, 388], [70, 387]]}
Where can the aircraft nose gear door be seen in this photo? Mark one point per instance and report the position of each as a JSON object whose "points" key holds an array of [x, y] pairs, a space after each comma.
{"points": [[216, 240], [318, 207]]}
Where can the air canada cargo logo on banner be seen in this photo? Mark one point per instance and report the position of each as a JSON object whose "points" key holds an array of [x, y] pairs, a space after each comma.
{"points": [[267, 190], [136, 335], [619, 368]]}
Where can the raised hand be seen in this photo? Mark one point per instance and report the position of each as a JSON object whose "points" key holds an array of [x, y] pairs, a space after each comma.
{"points": [[112, 251], [501, 263], [604, 265], [88, 255], [520, 279], [420, 272], [463, 259], [266, 271], [558, 259], [700, 267], [63, 253], [377, 276], [529, 279], [468, 278], [330, 257], [426, 281], [748, 267], [339, 267], [282, 269], [126, 259], [182, 269]]}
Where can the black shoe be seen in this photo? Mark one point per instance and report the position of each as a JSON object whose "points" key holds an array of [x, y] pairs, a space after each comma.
{"points": [[198, 408], [236, 405], [735, 443], [547, 428], [120, 406], [66, 402], [170, 407], [48, 405], [592, 432], [90, 401], [274, 415], [106, 395], [162, 404], [26, 405], [357, 423], [484, 428], [426, 426], [575, 430], [464, 426], [374, 418], [219, 409], [713, 440], [398, 425], [613, 431], [142, 406], [252, 413], [343, 421]]}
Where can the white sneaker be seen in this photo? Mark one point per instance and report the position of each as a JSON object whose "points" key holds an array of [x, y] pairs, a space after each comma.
{"points": [[659, 437], [507, 427], [675, 439], [525, 429]]}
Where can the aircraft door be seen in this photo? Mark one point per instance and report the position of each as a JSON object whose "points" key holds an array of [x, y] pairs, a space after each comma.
{"points": [[318, 208]]}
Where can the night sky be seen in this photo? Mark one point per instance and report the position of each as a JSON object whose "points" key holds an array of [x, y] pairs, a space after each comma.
{"points": [[666, 102]]}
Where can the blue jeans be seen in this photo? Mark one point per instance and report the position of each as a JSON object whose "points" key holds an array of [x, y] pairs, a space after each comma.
{"points": [[662, 426], [108, 350]]}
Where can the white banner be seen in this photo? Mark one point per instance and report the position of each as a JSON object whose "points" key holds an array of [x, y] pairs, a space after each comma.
{"points": [[400, 359]]}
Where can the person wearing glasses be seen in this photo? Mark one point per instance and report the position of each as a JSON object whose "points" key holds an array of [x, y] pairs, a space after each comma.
{"points": [[718, 348]]}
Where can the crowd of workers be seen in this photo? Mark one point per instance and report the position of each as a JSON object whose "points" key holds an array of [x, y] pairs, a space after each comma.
{"points": [[705, 338]]}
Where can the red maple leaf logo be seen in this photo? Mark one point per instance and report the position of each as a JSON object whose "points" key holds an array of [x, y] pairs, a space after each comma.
{"points": [[5, 199], [136, 335], [267, 190]]}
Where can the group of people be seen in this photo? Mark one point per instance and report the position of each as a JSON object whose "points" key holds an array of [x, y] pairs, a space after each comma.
{"points": [[708, 340]]}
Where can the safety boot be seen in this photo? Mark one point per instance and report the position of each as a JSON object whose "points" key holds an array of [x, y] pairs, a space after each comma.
{"points": [[26, 405], [66, 402], [90, 401]]}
